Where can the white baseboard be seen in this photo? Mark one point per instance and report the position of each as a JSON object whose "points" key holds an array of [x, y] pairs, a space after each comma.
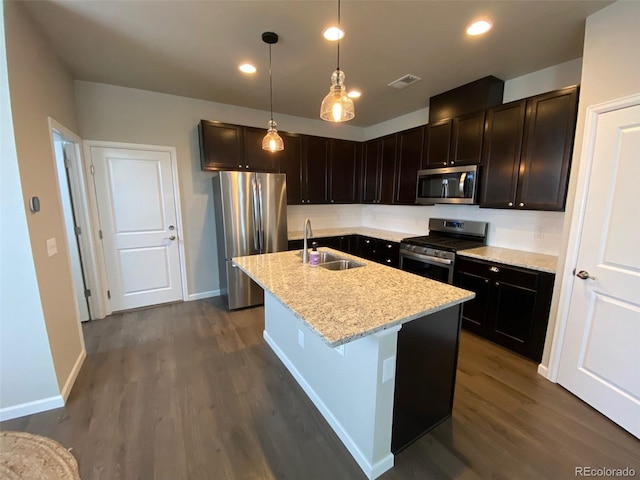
{"points": [[71, 379], [201, 295], [543, 371], [372, 471], [29, 408]]}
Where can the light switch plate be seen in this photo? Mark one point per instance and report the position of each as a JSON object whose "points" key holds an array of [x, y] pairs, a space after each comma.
{"points": [[52, 247], [389, 368]]}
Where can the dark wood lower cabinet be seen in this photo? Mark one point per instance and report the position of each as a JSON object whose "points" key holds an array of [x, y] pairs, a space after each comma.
{"points": [[511, 306], [374, 249]]}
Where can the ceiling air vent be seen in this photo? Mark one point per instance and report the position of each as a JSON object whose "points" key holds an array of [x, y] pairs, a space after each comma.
{"points": [[405, 81]]}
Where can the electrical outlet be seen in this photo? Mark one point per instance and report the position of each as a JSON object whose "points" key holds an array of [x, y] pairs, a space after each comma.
{"points": [[388, 369], [300, 338], [52, 247]]}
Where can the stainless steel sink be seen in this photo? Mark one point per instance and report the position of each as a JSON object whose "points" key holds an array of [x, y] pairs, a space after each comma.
{"points": [[341, 265], [325, 257]]}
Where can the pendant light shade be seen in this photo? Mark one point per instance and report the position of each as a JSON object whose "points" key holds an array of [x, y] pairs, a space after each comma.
{"points": [[271, 141], [337, 106]]}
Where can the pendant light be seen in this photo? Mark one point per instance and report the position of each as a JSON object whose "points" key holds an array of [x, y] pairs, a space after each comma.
{"points": [[271, 141], [337, 106]]}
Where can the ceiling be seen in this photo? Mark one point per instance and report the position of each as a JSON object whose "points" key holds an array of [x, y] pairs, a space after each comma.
{"points": [[193, 48]]}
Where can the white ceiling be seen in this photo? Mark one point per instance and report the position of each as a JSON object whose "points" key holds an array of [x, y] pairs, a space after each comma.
{"points": [[193, 48]]}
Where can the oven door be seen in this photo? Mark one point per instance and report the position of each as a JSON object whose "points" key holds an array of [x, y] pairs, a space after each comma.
{"points": [[435, 268]]}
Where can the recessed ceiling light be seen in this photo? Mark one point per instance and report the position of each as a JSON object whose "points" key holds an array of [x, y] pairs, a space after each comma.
{"points": [[247, 68], [333, 34], [479, 27], [354, 94]]}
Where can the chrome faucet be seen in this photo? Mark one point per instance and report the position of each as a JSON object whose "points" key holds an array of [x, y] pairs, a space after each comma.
{"points": [[307, 232]]}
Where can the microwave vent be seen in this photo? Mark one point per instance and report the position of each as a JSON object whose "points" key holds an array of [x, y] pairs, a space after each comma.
{"points": [[404, 81]]}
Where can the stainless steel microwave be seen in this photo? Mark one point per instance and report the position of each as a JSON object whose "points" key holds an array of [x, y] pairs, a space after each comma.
{"points": [[447, 185]]}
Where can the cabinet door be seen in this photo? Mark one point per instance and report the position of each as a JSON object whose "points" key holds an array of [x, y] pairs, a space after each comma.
{"points": [[255, 157], [439, 145], [343, 171], [291, 165], [513, 317], [546, 155], [501, 155], [475, 313], [410, 150], [315, 170], [220, 146], [466, 139], [387, 169], [370, 172]]}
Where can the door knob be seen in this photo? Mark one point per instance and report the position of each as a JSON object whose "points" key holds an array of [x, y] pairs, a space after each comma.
{"points": [[583, 275], [172, 237], [171, 227]]}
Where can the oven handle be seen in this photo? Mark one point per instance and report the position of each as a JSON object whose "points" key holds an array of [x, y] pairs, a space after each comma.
{"points": [[426, 258]]}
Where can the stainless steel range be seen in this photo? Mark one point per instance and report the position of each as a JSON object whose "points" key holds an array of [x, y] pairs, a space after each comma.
{"points": [[433, 256]]}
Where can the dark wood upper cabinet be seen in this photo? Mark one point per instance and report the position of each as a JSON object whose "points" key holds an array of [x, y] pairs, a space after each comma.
{"points": [[221, 146], [501, 155], [410, 154], [439, 144], [387, 168], [466, 139], [527, 152], [546, 152], [344, 167], [290, 160], [257, 159], [370, 171], [315, 169]]}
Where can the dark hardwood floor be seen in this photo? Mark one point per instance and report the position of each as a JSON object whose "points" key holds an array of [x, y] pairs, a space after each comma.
{"points": [[191, 391]]}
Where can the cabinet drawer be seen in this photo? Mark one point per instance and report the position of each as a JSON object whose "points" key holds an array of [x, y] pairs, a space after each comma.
{"points": [[499, 272], [391, 249]]}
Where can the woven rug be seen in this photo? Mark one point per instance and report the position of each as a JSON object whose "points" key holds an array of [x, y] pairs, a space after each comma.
{"points": [[25, 456]]}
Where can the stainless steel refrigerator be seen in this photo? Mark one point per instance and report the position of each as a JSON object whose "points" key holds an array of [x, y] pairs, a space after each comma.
{"points": [[251, 218]]}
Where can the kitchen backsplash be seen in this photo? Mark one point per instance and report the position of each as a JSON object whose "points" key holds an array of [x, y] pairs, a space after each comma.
{"points": [[532, 231]]}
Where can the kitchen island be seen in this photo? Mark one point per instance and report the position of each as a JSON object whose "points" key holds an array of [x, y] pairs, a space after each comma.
{"points": [[373, 347]]}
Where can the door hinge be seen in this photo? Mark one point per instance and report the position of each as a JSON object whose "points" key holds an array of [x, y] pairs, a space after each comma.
{"points": [[100, 234], [78, 230], [109, 294], [67, 162], [87, 292], [92, 170]]}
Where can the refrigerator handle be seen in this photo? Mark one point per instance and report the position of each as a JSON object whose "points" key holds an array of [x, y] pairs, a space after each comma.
{"points": [[256, 220], [261, 218]]}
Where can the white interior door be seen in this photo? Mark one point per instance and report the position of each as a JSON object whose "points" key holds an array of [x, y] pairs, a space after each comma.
{"points": [[138, 218], [600, 360]]}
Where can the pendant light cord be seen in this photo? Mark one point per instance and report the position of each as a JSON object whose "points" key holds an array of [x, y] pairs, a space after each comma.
{"points": [[270, 85], [338, 68]]}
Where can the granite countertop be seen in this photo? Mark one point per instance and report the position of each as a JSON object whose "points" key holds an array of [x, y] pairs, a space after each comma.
{"points": [[516, 258], [388, 235], [348, 304]]}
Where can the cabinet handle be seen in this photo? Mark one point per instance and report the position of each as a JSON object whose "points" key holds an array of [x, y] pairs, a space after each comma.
{"points": [[444, 163], [246, 166], [331, 201], [495, 269], [486, 280], [453, 162], [389, 245], [510, 204], [388, 260], [521, 204], [239, 166], [497, 284]]}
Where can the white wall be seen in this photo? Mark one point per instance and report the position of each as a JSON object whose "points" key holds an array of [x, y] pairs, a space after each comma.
{"points": [[610, 70], [27, 376]]}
